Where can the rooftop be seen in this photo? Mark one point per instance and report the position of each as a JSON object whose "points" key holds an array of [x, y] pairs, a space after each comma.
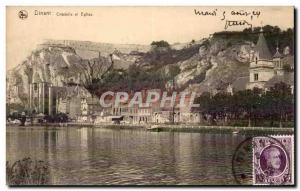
{"points": [[287, 79], [262, 48], [277, 54]]}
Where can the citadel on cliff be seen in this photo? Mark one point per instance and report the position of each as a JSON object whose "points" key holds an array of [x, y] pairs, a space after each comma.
{"points": [[56, 84]]}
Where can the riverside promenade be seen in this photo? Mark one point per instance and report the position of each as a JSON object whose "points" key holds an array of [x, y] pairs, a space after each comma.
{"points": [[167, 127], [235, 129]]}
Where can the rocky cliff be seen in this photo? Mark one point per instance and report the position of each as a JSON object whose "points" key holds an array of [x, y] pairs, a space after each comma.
{"points": [[217, 64], [204, 65]]}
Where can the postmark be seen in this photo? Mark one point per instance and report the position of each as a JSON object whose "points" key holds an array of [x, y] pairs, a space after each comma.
{"points": [[242, 162]]}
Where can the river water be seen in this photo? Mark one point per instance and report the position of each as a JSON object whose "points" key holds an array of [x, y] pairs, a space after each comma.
{"points": [[98, 156]]}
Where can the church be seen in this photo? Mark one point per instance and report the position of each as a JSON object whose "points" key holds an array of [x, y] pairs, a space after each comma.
{"points": [[48, 99], [266, 69]]}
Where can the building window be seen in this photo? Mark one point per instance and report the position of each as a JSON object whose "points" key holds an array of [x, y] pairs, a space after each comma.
{"points": [[35, 87], [255, 77], [255, 60]]}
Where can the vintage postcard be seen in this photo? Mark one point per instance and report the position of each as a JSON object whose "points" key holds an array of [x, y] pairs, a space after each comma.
{"points": [[150, 96]]}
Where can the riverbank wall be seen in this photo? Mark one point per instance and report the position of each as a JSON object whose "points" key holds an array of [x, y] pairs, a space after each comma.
{"points": [[173, 128]]}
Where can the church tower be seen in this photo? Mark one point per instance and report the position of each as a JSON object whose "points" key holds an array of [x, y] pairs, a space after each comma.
{"points": [[261, 64], [278, 64], [39, 95]]}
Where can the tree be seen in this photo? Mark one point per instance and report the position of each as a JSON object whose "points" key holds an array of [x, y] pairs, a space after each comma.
{"points": [[94, 70], [282, 100], [273, 35], [249, 102], [171, 72], [161, 44], [253, 105]]}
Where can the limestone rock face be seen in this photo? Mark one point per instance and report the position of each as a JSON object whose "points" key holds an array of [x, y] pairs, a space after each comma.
{"points": [[202, 51], [55, 65], [123, 61], [216, 46], [207, 64], [216, 64]]}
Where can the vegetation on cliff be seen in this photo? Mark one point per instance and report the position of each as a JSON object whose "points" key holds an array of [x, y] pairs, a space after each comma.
{"points": [[209, 63], [273, 35]]}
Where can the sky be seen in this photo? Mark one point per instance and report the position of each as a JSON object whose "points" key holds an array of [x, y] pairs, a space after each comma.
{"points": [[129, 25]]}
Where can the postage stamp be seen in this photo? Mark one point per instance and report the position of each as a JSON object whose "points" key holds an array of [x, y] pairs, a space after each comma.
{"points": [[273, 160]]}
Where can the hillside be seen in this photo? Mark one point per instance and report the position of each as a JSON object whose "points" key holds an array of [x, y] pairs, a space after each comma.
{"points": [[204, 65]]}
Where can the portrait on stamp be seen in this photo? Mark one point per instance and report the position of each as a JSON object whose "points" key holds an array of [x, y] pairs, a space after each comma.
{"points": [[272, 160]]}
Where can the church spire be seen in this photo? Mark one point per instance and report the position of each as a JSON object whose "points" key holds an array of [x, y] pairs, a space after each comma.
{"points": [[262, 47], [277, 54]]}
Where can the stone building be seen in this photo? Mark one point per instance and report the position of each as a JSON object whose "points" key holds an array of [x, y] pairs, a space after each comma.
{"points": [[41, 98], [147, 114], [49, 100], [69, 101], [90, 108], [263, 66], [134, 114]]}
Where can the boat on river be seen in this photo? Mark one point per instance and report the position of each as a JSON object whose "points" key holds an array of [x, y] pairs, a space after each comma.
{"points": [[153, 128]]}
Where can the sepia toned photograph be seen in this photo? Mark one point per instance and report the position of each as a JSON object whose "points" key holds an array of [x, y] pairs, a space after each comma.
{"points": [[150, 96]]}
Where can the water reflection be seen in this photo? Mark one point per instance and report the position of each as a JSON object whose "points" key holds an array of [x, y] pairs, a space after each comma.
{"points": [[105, 156]]}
